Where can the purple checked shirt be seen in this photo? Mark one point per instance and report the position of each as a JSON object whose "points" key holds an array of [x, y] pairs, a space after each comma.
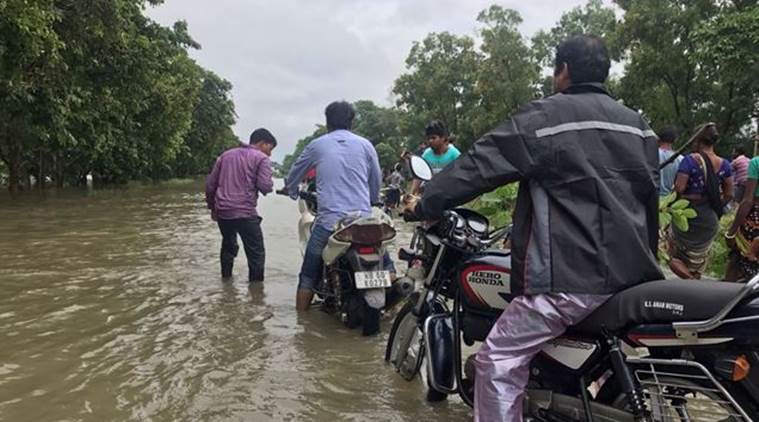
{"points": [[237, 178]]}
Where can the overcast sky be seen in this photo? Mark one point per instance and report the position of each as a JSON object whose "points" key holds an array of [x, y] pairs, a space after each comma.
{"points": [[288, 59]]}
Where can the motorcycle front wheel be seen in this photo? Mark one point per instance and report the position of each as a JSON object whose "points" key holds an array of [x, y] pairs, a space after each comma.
{"points": [[405, 345]]}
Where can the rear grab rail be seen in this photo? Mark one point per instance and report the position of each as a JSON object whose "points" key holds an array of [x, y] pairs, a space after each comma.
{"points": [[690, 329]]}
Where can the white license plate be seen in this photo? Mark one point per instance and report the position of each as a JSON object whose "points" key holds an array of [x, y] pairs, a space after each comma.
{"points": [[372, 279]]}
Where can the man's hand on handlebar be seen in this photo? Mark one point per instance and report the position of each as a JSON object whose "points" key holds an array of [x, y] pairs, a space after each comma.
{"points": [[409, 206]]}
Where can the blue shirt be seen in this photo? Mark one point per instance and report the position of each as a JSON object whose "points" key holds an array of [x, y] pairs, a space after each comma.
{"points": [[348, 175], [438, 162], [667, 174]]}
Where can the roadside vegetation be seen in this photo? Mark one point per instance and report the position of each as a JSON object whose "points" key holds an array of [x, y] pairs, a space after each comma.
{"points": [[99, 89]]}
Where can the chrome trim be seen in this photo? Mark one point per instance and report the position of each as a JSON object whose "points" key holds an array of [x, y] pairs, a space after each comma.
{"points": [[692, 364], [428, 353], [690, 329], [435, 264]]}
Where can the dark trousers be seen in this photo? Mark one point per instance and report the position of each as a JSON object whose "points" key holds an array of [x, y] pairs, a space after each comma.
{"points": [[252, 237]]}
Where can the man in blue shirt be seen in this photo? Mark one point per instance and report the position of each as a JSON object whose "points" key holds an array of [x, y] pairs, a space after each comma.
{"points": [[348, 179], [667, 175]]}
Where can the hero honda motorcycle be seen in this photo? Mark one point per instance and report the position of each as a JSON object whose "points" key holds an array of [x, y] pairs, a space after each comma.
{"points": [[669, 350], [355, 285]]}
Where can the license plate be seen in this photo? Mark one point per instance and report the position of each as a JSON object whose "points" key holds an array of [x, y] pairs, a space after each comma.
{"points": [[372, 279]]}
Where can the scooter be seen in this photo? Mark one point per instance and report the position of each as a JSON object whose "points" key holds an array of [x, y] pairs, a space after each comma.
{"points": [[355, 286], [669, 350]]}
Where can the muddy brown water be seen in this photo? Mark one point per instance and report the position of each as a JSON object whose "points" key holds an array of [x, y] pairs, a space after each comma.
{"points": [[111, 309]]}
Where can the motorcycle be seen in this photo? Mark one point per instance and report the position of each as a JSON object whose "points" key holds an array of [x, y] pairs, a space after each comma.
{"points": [[669, 350], [355, 285]]}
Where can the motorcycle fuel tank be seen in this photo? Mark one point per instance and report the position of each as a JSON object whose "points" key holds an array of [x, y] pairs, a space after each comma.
{"points": [[486, 281]]}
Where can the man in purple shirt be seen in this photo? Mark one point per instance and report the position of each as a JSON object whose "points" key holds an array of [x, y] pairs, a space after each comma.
{"points": [[232, 189]]}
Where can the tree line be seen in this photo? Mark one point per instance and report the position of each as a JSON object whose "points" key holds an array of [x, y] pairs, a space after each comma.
{"points": [[684, 62], [94, 87]]}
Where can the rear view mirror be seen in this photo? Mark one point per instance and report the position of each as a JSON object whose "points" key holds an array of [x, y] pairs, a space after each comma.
{"points": [[420, 168]]}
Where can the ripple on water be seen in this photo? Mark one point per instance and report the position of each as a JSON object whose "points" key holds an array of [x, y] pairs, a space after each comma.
{"points": [[121, 316]]}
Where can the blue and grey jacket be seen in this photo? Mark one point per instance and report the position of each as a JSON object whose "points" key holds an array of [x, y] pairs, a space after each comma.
{"points": [[586, 218]]}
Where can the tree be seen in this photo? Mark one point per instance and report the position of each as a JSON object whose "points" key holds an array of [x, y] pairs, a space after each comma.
{"points": [[671, 73], [507, 74], [97, 87], [439, 84], [594, 18], [210, 133], [728, 53], [29, 55]]}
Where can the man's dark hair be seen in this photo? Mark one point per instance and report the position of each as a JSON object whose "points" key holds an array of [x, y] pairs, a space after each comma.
{"points": [[667, 134], [340, 115], [740, 150], [436, 127], [262, 135], [586, 56]]}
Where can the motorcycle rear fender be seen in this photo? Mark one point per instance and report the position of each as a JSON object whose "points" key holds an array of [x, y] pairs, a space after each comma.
{"points": [[334, 250]]}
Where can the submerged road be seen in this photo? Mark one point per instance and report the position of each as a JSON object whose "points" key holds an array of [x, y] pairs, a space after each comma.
{"points": [[111, 309]]}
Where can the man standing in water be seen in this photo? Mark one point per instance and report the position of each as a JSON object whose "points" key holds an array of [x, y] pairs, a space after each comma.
{"points": [[585, 223], [348, 179], [232, 189]]}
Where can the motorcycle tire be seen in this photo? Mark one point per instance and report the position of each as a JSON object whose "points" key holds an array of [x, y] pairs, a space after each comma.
{"points": [[354, 311], [371, 320], [434, 396], [399, 317]]}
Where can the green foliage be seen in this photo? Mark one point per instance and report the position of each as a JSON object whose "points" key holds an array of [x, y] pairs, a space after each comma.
{"points": [[102, 89], [691, 62], [440, 84], [719, 254], [594, 18], [506, 74], [498, 204], [672, 211]]}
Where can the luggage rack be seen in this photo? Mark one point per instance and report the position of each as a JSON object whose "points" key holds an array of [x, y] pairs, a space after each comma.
{"points": [[665, 386], [690, 329]]}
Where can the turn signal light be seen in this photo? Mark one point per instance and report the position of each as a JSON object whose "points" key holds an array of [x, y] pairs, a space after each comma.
{"points": [[741, 368]]}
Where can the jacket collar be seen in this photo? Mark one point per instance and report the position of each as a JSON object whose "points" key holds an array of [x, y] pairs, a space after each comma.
{"points": [[582, 88]]}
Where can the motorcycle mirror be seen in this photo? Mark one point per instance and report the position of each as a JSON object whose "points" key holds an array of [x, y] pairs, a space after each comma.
{"points": [[420, 168]]}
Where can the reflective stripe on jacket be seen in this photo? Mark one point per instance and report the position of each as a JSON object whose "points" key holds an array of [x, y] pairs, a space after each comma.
{"points": [[586, 219]]}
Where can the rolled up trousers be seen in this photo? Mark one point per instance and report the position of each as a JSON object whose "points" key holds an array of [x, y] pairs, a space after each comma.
{"points": [[503, 362]]}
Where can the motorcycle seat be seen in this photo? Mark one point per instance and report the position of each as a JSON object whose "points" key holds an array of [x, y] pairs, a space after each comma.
{"points": [[659, 302]]}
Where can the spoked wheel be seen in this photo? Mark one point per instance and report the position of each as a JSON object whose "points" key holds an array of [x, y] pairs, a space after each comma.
{"points": [[405, 345]]}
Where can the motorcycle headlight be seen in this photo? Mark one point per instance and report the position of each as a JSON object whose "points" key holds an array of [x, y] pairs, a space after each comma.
{"points": [[368, 234]]}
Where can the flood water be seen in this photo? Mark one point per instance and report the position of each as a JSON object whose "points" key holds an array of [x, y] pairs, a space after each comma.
{"points": [[112, 309]]}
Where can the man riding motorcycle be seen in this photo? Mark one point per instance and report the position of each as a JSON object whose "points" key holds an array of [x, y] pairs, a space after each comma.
{"points": [[585, 224], [348, 179]]}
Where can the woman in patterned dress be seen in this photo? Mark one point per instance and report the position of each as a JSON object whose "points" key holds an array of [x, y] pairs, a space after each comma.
{"points": [[743, 236], [689, 249]]}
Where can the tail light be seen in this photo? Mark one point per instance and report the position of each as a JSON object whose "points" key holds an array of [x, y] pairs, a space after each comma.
{"points": [[733, 367], [367, 250], [368, 234]]}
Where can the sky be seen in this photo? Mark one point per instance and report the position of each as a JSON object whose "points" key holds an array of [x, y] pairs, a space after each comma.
{"points": [[288, 59]]}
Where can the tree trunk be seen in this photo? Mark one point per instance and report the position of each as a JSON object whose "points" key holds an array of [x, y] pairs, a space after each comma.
{"points": [[58, 170], [14, 175], [41, 172]]}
